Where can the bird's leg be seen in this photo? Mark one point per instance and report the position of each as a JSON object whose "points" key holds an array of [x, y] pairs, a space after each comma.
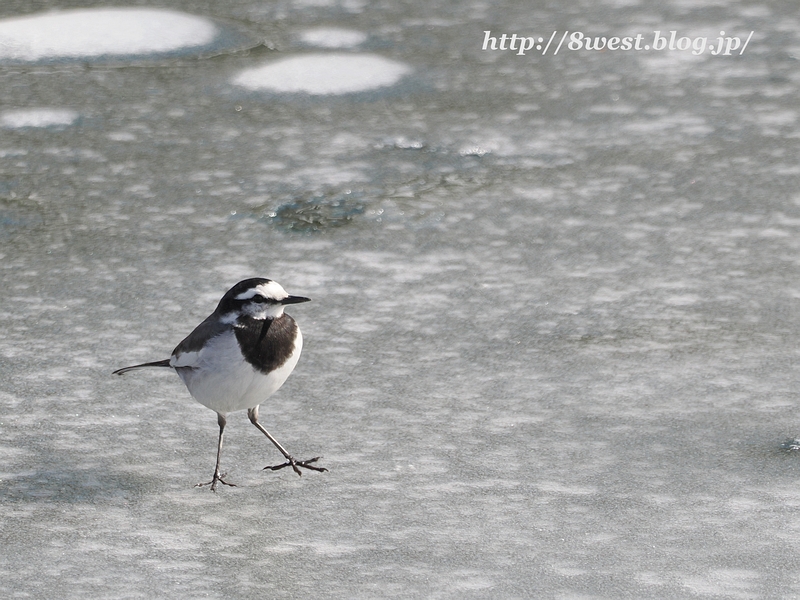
{"points": [[252, 414], [217, 477]]}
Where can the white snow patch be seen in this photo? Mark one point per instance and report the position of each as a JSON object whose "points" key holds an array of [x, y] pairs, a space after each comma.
{"points": [[323, 74], [38, 117], [121, 136], [86, 33], [333, 37]]}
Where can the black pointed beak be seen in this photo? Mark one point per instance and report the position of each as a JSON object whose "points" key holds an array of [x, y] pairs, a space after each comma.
{"points": [[294, 300]]}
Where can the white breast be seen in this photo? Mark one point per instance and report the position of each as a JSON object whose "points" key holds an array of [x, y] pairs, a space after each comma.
{"points": [[218, 376]]}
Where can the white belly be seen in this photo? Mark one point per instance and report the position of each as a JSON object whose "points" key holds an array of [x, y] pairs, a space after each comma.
{"points": [[222, 380]]}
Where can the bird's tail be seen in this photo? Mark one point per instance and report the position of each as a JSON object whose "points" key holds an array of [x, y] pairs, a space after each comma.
{"points": [[158, 363]]}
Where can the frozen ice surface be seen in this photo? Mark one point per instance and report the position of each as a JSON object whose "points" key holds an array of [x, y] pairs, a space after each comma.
{"points": [[552, 348], [332, 37], [94, 32], [37, 117], [324, 74]]}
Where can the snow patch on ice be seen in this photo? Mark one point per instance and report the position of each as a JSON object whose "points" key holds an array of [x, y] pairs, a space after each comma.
{"points": [[333, 37], [324, 74], [37, 117], [86, 33]]}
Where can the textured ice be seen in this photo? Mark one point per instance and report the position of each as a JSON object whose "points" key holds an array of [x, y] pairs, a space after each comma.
{"points": [[324, 74], [38, 117], [552, 349], [94, 32], [332, 37]]}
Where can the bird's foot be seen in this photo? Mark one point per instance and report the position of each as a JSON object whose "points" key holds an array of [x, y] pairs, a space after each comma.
{"points": [[217, 479], [295, 464]]}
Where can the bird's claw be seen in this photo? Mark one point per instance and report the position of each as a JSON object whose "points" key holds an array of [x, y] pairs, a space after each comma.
{"points": [[213, 483], [295, 464]]}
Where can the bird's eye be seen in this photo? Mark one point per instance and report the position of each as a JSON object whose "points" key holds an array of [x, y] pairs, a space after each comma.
{"points": [[259, 299]]}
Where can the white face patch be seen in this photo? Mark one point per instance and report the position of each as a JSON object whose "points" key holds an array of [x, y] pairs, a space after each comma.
{"points": [[263, 311], [270, 291], [229, 318]]}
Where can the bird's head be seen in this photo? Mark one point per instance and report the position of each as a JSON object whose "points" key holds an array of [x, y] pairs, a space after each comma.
{"points": [[258, 298]]}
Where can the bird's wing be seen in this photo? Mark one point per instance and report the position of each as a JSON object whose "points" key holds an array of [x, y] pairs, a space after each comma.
{"points": [[187, 353]]}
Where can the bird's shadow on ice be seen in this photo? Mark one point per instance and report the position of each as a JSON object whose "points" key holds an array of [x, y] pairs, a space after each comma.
{"points": [[65, 483]]}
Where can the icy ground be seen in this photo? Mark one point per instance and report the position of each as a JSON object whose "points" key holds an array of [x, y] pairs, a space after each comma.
{"points": [[552, 349]]}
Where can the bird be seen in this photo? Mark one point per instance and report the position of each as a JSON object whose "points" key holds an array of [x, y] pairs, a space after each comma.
{"points": [[239, 356]]}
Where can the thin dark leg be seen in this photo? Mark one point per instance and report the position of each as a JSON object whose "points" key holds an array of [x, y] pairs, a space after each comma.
{"points": [[252, 414], [217, 476]]}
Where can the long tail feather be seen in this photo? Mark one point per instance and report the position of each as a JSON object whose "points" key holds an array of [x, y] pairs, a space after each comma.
{"points": [[158, 363]]}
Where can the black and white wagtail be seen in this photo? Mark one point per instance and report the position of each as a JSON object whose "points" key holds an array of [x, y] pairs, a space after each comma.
{"points": [[239, 356]]}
